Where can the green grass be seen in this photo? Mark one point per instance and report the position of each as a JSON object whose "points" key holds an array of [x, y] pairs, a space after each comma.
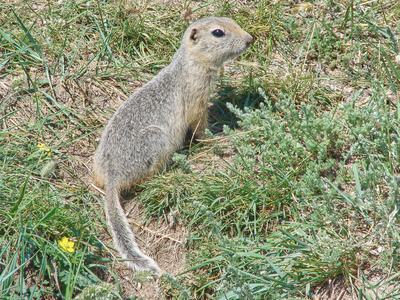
{"points": [[301, 198]]}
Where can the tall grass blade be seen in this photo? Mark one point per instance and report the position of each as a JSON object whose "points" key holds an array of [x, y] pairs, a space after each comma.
{"points": [[21, 195], [30, 37], [47, 216]]}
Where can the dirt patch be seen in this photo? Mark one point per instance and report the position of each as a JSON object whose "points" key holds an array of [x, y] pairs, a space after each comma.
{"points": [[340, 289], [163, 240]]}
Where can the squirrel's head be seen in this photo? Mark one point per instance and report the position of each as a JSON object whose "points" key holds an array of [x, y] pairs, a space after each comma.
{"points": [[214, 40]]}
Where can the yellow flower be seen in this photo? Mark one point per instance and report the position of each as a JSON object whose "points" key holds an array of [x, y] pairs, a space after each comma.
{"points": [[66, 245], [43, 147]]}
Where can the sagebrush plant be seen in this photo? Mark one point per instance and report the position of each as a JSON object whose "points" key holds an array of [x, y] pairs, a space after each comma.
{"points": [[292, 171], [307, 196]]}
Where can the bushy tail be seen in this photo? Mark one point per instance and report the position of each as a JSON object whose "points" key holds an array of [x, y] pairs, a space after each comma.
{"points": [[123, 237]]}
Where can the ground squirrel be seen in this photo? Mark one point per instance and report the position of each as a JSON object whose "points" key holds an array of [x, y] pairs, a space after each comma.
{"points": [[152, 124]]}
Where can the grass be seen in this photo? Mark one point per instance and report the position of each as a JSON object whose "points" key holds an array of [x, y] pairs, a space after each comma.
{"points": [[299, 197]]}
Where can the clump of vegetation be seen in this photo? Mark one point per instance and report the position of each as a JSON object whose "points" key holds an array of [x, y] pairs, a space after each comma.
{"points": [[301, 197]]}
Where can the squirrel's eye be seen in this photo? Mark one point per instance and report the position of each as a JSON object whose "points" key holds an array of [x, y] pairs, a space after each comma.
{"points": [[218, 33]]}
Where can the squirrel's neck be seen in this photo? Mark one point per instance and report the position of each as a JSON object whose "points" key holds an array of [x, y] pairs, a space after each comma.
{"points": [[197, 77]]}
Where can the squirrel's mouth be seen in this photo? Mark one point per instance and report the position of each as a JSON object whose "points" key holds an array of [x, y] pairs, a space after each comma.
{"points": [[240, 50]]}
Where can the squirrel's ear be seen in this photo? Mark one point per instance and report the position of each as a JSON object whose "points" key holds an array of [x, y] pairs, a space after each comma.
{"points": [[193, 35]]}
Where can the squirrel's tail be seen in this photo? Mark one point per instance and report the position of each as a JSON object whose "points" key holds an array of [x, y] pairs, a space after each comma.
{"points": [[122, 235]]}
